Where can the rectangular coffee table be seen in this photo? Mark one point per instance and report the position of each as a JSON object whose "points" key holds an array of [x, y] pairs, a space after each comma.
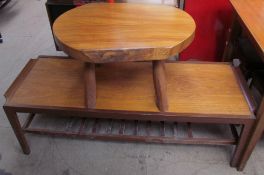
{"points": [[210, 93]]}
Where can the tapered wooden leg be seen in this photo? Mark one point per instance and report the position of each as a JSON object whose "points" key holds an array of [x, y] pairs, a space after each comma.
{"points": [[255, 136], [90, 85], [160, 84], [13, 119], [244, 136]]}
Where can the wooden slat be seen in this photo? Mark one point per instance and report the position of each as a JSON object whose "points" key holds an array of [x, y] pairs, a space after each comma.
{"points": [[134, 138], [162, 128], [110, 126], [95, 125], [122, 127], [189, 130], [148, 126], [82, 126], [69, 124], [175, 128]]}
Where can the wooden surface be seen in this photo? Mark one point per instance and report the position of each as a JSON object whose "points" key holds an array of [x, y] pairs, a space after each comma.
{"points": [[192, 88], [255, 136], [123, 32], [251, 12]]}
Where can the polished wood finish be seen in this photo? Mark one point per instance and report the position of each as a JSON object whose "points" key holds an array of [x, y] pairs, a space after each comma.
{"points": [[160, 84], [255, 136], [250, 13], [90, 85], [102, 32], [197, 93], [192, 88], [13, 119], [245, 134], [245, 89], [249, 18], [113, 33]]}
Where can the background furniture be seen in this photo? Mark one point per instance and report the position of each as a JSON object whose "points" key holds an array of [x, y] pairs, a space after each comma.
{"points": [[213, 19], [248, 23]]}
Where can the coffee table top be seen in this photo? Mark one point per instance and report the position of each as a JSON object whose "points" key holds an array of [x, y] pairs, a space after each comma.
{"points": [[197, 89], [102, 32]]}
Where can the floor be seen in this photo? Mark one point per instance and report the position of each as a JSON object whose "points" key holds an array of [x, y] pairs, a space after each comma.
{"points": [[26, 34]]}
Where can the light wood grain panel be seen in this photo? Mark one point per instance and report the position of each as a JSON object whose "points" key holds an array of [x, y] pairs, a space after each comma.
{"points": [[251, 13], [123, 32], [209, 88], [192, 88]]}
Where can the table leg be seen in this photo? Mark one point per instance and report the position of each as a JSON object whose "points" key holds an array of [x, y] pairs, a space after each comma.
{"points": [[13, 119], [160, 84], [90, 85], [255, 136], [244, 135]]}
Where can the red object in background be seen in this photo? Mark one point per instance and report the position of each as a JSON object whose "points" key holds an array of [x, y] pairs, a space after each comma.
{"points": [[212, 18], [111, 1]]}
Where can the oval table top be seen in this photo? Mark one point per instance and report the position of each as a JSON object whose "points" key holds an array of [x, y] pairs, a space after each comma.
{"points": [[103, 32]]}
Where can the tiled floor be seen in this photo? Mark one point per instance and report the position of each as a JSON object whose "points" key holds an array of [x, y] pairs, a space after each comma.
{"points": [[26, 34]]}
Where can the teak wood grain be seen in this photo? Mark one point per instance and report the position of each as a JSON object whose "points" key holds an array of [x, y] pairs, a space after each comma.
{"points": [[102, 32], [55, 86], [193, 88], [252, 16]]}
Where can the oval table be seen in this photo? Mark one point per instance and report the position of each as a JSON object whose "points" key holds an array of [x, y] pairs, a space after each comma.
{"points": [[103, 33]]}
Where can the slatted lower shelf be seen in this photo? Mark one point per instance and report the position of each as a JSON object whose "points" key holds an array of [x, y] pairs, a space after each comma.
{"points": [[138, 131]]}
